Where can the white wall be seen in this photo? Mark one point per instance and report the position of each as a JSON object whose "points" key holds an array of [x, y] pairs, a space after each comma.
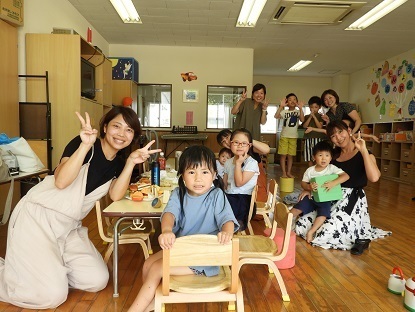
{"points": [[303, 87], [213, 66], [363, 82]]}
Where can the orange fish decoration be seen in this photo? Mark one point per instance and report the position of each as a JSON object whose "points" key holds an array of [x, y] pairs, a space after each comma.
{"points": [[189, 76]]}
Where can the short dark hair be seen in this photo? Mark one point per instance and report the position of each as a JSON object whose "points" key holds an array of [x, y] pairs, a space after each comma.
{"points": [[291, 94], [129, 116], [331, 92], [314, 100], [225, 150], [323, 146], [258, 87], [223, 134]]}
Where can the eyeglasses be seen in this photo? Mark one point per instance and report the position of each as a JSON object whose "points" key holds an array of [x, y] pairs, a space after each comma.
{"points": [[243, 144]]}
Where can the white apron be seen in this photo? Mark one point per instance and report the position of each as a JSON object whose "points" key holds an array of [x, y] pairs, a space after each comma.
{"points": [[47, 247]]}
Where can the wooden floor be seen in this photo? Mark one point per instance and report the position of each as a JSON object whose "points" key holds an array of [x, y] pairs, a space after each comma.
{"points": [[322, 280]]}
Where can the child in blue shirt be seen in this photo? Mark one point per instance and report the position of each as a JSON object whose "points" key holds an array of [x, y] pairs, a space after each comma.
{"points": [[197, 206]]}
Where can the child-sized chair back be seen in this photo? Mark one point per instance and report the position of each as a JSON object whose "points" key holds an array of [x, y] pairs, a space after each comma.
{"points": [[201, 250]]}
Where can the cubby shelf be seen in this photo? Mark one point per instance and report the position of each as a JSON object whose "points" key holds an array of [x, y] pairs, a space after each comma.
{"points": [[395, 158]]}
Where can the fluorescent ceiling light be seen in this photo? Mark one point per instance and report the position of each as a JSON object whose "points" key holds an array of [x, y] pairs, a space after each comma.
{"points": [[127, 11], [300, 65], [375, 14], [250, 12]]}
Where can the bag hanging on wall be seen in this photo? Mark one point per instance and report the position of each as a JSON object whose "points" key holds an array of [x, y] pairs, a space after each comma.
{"points": [[26, 157], [5, 175]]}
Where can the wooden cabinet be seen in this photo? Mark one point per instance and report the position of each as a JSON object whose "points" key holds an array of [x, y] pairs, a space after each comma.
{"points": [[60, 55], [395, 154], [9, 117], [122, 89]]}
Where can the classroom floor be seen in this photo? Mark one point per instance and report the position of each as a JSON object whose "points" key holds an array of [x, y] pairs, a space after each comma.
{"points": [[321, 280]]}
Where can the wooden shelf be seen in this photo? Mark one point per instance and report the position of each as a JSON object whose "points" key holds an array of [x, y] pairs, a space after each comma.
{"points": [[395, 159], [60, 55]]}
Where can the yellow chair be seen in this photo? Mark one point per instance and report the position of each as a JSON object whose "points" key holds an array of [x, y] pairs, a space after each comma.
{"points": [[260, 249], [139, 235], [201, 250], [251, 212], [265, 208]]}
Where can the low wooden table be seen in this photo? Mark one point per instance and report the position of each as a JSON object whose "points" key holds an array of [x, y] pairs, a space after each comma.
{"points": [[127, 209]]}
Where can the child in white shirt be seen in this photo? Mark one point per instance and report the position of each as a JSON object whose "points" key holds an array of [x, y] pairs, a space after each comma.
{"points": [[224, 155], [322, 153]]}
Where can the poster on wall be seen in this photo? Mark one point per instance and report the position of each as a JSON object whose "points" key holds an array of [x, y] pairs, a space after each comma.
{"points": [[392, 89]]}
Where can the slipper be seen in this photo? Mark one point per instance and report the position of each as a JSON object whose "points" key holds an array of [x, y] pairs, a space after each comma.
{"points": [[359, 246]]}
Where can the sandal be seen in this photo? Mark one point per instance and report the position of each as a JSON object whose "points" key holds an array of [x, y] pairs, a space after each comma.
{"points": [[359, 246]]}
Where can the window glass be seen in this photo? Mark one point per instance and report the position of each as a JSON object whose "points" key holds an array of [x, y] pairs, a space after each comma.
{"points": [[154, 105], [220, 100]]}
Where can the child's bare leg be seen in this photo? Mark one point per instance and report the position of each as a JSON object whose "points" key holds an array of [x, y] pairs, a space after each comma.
{"points": [[149, 262], [283, 167], [316, 225], [289, 166], [145, 298], [296, 212]]}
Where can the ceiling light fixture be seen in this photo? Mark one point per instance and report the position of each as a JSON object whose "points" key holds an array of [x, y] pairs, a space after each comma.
{"points": [[250, 12], [379, 11], [127, 11], [299, 66]]}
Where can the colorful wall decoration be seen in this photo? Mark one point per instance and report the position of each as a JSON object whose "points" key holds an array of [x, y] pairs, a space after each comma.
{"points": [[392, 89]]}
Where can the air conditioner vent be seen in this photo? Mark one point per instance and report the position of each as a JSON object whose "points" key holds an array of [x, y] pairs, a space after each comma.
{"points": [[313, 12]]}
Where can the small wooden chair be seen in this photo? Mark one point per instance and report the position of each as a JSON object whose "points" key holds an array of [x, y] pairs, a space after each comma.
{"points": [[127, 236], [201, 250], [265, 208], [260, 249], [251, 212]]}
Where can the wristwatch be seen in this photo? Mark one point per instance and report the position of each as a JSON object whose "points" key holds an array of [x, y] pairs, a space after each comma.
{"points": [[264, 110]]}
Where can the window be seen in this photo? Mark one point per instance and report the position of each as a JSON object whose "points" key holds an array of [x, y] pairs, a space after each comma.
{"points": [[154, 105], [220, 100]]}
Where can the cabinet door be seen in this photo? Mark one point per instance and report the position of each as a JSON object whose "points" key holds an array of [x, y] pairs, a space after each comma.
{"points": [[94, 110]]}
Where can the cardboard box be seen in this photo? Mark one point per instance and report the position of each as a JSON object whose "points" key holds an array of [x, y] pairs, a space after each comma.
{"points": [[12, 11], [124, 68], [321, 195], [401, 136]]}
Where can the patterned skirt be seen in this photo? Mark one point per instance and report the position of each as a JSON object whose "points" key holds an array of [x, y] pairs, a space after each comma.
{"points": [[342, 229]]}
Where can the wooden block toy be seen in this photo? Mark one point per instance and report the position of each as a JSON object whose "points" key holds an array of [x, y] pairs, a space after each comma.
{"points": [[321, 195]]}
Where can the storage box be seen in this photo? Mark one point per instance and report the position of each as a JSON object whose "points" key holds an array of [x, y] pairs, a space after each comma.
{"points": [[401, 136], [124, 68], [321, 195], [12, 11]]}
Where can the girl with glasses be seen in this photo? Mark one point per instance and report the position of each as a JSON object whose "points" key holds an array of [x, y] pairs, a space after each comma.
{"points": [[241, 175]]}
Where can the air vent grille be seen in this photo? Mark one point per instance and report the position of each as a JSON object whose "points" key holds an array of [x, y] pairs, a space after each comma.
{"points": [[313, 12]]}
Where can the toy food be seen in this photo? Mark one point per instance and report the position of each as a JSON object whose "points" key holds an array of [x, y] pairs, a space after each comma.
{"points": [[144, 180], [137, 196]]}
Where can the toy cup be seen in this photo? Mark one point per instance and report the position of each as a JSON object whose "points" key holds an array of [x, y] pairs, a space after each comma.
{"points": [[409, 301], [396, 283]]}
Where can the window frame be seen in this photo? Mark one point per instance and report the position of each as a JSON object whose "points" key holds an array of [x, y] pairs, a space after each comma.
{"points": [[232, 117], [140, 106]]}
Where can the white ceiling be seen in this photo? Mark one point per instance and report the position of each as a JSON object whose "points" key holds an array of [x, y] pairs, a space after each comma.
{"points": [[277, 47]]}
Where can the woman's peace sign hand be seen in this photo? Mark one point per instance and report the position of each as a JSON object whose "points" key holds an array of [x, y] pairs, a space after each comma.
{"points": [[141, 155], [88, 134], [359, 143]]}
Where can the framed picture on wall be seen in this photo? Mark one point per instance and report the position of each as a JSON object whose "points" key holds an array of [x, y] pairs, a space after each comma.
{"points": [[190, 96]]}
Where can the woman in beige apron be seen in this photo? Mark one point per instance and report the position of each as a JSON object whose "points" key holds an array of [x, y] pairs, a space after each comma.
{"points": [[48, 249]]}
